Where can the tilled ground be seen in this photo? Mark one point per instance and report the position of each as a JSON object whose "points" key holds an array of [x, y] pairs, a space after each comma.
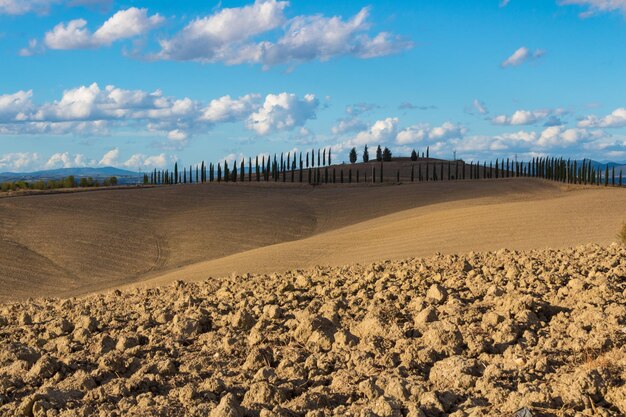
{"points": [[504, 333]]}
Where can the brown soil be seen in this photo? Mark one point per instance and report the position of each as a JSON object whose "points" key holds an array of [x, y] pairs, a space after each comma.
{"points": [[71, 244], [484, 334]]}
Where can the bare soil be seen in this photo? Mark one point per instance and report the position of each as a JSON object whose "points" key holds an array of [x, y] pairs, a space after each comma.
{"points": [[77, 243], [524, 333]]}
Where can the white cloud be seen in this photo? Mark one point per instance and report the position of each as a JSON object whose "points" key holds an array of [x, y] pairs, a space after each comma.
{"points": [[521, 56], [14, 106], [110, 158], [177, 135], [593, 7], [228, 36], [221, 36], [281, 112], [558, 136], [140, 161], [616, 119], [122, 25], [18, 161], [521, 117], [90, 110], [318, 37], [504, 3], [226, 109], [382, 131], [421, 132], [66, 160]]}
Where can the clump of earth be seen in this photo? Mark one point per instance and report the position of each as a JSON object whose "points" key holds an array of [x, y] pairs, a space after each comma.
{"points": [[484, 334]]}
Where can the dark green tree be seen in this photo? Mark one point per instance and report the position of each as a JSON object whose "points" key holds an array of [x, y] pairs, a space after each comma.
{"points": [[413, 156], [387, 155], [176, 172], [353, 155], [379, 154], [366, 155]]}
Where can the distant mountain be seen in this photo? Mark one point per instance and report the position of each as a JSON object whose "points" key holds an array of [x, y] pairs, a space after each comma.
{"points": [[124, 176]]}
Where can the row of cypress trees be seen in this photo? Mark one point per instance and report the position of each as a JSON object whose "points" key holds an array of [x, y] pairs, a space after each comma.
{"points": [[301, 168]]}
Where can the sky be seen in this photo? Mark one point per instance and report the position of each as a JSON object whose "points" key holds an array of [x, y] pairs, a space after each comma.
{"points": [[141, 84]]}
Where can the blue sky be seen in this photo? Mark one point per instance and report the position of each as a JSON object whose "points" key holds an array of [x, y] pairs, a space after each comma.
{"points": [[140, 84]]}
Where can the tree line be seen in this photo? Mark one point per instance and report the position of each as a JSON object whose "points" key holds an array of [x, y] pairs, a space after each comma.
{"points": [[303, 167], [66, 182]]}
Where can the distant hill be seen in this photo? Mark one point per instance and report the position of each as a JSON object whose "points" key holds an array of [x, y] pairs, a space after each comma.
{"points": [[124, 176]]}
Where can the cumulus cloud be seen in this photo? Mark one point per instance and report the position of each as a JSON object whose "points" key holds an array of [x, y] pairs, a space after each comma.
{"points": [[140, 161], [110, 158], [227, 109], [228, 36], [124, 24], [88, 110], [521, 117], [616, 119], [593, 7], [521, 56], [66, 160], [421, 132], [382, 131], [18, 161], [282, 112]]}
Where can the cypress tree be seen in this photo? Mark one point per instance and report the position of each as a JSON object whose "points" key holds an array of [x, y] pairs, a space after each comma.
{"points": [[606, 176], [184, 175], [379, 154], [226, 171], [219, 172], [268, 169], [256, 169], [366, 155], [329, 156], [353, 155], [620, 177], [176, 171], [413, 156], [307, 159], [242, 171], [318, 156], [496, 167], [234, 172], [613, 177], [324, 157], [427, 152]]}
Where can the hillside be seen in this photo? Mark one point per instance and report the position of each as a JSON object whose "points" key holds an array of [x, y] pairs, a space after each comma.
{"points": [[69, 244]]}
